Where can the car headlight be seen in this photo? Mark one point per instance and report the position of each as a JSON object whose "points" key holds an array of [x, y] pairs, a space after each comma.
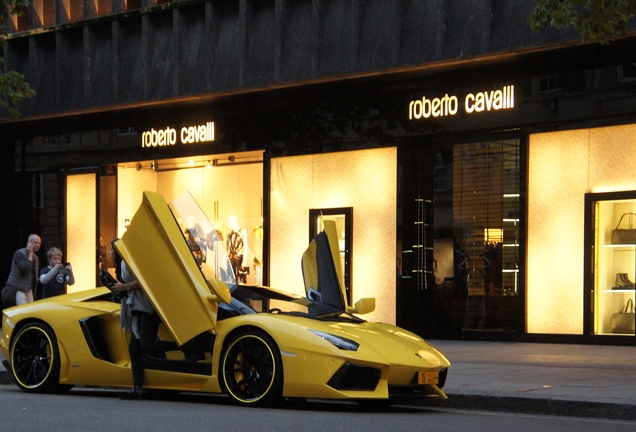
{"points": [[337, 341]]}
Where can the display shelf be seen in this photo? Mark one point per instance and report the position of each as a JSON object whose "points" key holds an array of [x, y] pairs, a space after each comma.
{"points": [[510, 252]]}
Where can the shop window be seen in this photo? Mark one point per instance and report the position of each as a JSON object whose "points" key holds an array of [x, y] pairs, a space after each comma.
{"points": [[627, 72], [486, 208], [130, 130], [611, 257], [460, 267], [549, 84]]}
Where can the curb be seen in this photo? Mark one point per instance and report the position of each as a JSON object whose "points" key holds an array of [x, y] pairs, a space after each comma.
{"points": [[540, 406]]}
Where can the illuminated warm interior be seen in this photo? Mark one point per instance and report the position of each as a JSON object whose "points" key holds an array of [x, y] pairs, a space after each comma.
{"points": [[81, 224], [563, 166], [365, 180], [224, 185]]}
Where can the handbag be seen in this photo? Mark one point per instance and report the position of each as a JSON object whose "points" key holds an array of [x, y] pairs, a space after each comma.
{"points": [[623, 321], [622, 235], [8, 296]]}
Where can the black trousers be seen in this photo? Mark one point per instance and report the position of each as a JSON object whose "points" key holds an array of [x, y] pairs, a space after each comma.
{"points": [[147, 344]]}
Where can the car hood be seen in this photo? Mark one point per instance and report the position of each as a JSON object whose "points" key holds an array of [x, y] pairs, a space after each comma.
{"points": [[183, 290]]}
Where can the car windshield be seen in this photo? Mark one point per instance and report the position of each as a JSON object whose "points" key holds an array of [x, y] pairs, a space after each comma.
{"points": [[204, 240]]}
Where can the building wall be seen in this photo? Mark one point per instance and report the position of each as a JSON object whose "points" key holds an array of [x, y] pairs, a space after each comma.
{"points": [[563, 167], [95, 59]]}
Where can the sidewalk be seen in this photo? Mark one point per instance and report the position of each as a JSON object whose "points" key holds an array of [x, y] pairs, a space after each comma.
{"points": [[556, 379]]}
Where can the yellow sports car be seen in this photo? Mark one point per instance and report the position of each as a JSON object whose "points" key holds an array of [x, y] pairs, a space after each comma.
{"points": [[292, 347]]}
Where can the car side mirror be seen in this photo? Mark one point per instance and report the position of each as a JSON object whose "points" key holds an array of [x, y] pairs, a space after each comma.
{"points": [[220, 291], [363, 306]]}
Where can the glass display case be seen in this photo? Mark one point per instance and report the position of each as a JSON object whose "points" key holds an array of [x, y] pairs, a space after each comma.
{"points": [[612, 225]]}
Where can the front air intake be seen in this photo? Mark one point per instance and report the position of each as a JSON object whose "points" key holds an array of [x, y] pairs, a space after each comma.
{"points": [[352, 377]]}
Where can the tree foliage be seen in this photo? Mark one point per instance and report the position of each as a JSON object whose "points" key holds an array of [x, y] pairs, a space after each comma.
{"points": [[13, 86], [596, 20]]}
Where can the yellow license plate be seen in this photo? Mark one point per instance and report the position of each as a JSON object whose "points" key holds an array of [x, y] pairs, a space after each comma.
{"points": [[428, 378]]}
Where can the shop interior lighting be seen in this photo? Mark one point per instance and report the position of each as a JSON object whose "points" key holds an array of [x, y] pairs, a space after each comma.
{"points": [[197, 162]]}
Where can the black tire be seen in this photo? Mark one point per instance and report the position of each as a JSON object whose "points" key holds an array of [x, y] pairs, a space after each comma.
{"points": [[251, 370], [35, 360]]}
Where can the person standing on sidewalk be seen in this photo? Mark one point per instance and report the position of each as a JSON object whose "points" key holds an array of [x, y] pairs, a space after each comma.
{"points": [[23, 277]]}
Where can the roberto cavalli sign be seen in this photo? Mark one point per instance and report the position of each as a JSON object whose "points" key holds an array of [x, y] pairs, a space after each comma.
{"points": [[170, 136], [449, 105]]}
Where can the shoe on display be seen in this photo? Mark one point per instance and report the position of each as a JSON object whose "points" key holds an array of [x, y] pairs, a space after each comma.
{"points": [[622, 281]]}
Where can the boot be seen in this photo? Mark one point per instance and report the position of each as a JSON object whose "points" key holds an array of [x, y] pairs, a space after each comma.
{"points": [[627, 282], [622, 281]]}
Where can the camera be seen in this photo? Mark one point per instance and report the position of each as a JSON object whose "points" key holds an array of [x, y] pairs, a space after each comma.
{"points": [[67, 264]]}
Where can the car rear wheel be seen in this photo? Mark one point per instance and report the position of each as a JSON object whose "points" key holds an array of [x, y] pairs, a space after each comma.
{"points": [[251, 369], [35, 359]]}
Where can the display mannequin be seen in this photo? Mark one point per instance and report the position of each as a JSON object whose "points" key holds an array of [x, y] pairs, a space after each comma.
{"points": [[196, 239], [236, 248]]}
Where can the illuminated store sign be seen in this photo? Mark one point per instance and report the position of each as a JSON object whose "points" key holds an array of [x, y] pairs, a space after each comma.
{"points": [[446, 106], [170, 136]]}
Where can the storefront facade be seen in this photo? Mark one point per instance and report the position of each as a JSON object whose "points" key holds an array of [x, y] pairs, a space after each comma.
{"points": [[473, 199]]}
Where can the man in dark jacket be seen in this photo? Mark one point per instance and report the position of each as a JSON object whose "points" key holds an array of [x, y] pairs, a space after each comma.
{"points": [[23, 277]]}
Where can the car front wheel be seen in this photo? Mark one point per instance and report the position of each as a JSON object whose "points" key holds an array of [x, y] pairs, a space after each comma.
{"points": [[251, 369], [35, 359]]}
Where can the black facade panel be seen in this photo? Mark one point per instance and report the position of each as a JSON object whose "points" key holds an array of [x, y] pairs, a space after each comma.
{"points": [[297, 41], [467, 27], [131, 64], [42, 74], [99, 63], [226, 43], [260, 42], [162, 55], [193, 54], [377, 50], [70, 79], [337, 36]]}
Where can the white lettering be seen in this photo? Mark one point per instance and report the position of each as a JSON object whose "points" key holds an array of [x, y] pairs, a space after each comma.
{"points": [[493, 100], [468, 103], [497, 102], [168, 136], [197, 134], [436, 107], [162, 137]]}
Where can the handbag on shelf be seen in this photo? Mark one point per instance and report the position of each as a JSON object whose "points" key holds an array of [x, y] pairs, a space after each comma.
{"points": [[623, 235], [623, 321]]}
